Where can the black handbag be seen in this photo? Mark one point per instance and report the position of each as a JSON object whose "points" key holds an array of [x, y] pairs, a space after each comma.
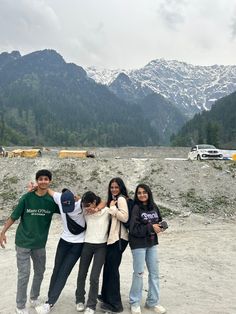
{"points": [[73, 227]]}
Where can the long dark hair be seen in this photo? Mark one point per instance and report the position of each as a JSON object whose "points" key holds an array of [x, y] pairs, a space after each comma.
{"points": [[150, 203], [123, 190]]}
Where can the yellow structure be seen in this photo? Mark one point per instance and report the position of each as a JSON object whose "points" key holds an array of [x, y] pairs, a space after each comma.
{"points": [[73, 154], [234, 157], [28, 153]]}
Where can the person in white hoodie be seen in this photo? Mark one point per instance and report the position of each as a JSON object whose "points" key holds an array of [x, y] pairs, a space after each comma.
{"points": [[95, 245]]}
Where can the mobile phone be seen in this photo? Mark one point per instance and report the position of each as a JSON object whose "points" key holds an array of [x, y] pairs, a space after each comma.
{"points": [[163, 225]]}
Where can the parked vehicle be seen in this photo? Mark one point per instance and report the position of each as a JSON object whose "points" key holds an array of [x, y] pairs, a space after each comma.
{"points": [[3, 152], [204, 151]]}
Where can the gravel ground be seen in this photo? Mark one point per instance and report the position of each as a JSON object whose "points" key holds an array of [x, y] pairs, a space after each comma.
{"points": [[197, 269], [198, 251], [178, 185]]}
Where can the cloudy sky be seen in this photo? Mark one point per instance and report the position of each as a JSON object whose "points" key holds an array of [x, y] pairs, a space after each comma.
{"points": [[122, 33]]}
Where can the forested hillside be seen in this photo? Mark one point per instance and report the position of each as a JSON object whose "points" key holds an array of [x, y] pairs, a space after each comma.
{"points": [[164, 117], [217, 126], [46, 101]]}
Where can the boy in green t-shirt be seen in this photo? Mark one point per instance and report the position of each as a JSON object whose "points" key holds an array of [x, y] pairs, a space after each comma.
{"points": [[35, 210]]}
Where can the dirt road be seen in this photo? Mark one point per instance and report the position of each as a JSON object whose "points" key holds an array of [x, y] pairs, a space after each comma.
{"points": [[197, 269]]}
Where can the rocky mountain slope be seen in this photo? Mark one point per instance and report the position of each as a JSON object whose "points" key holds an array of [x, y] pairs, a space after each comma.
{"points": [[191, 88], [46, 101]]}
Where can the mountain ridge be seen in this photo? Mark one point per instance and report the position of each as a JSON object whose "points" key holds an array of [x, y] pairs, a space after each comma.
{"points": [[46, 101], [216, 126], [191, 88]]}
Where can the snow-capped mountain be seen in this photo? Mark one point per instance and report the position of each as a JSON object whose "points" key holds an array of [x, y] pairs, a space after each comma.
{"points": [[191, 88], [102, 75]]}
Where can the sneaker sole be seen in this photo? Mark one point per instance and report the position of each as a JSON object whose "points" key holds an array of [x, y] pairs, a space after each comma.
{"points": [[153, 311]]}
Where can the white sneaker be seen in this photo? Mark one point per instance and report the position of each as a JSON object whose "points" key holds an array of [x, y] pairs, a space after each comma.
{"points": [[157, 309], [22, 311], [43, 308], [89, 311], [80, 307], [135, 309], [34, 303]]}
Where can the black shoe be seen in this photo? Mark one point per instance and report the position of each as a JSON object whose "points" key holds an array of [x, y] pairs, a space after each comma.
{"points": [[110, 308], [100, 299]]}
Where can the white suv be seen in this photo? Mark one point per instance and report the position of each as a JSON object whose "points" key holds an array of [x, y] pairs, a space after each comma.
{"points": [[204, 151]]}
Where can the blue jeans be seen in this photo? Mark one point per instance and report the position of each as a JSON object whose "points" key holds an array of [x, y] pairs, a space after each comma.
{"points": [[140, 256]]}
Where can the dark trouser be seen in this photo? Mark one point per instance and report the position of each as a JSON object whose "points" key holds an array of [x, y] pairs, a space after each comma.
{"points": [[66, 256], [111, 276], [98, 253]]}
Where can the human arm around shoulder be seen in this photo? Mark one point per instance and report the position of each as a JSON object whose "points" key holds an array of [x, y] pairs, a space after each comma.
{"points": [[32, 186], [56, 196], [101, 205], [7, 225], [97, 212], [120, 209], [56, 199], [51, 192], [100, 208]]}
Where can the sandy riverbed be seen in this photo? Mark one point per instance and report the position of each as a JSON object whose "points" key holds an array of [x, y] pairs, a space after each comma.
{"points": [[198, 251], [197, 269]]}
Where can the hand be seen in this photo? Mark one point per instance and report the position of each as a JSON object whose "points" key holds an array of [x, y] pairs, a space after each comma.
{"points": [[156, 228], [3, 240], [32, 186], [113, 211], [77, 198], [91, 210], [113, 203], [88, 212]]}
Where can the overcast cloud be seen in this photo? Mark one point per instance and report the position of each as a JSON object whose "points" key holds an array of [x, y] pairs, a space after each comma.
{"points": [[122, 33]]}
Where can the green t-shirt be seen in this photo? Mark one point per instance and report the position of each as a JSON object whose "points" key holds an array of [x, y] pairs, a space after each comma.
{"points": [[36, 215]]}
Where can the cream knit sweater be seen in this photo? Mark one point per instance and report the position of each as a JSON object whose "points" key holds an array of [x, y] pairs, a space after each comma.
{"points": [[118, 213], [97, 226]]}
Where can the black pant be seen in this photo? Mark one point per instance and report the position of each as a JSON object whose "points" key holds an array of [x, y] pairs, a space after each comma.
{"points": [[66, 256], [111, 276], [98, 253]]}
